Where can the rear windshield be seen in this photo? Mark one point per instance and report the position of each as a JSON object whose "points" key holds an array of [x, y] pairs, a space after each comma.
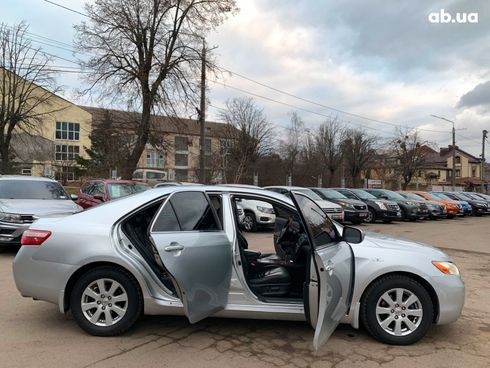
{"points": [[363, 195], [31, 189], [122, 190]]}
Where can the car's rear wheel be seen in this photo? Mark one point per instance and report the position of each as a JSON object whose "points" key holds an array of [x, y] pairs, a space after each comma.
{"points": [[249, 223], [106, 301], [397, 310]]}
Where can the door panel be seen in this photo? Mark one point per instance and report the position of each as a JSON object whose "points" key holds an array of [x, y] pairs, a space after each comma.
{"points": [[331, 274], [200, 264], [195, 251]]}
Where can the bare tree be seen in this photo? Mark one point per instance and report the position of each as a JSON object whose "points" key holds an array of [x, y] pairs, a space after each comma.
{"points": [[329, 139], [359, 153], [26, 89], [249, 131], [409, 154], [292, 145], [148, 53]]}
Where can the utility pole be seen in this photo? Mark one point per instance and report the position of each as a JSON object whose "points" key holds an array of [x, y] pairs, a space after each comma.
{"points": [[453, 175], [202, 115], [482, 169]]}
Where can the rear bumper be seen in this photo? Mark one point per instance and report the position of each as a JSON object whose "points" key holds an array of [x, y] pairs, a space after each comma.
{"points": [[450, 291]]}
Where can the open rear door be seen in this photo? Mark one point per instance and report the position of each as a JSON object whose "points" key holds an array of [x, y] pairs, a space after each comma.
{"points": [[195, 251], [331, 272]]}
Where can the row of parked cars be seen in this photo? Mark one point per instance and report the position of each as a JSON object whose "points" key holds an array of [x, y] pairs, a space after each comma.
{"points": [[25, 199]]}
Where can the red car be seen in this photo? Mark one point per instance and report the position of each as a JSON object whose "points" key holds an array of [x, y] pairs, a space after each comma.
{"points": [[97, 191]]}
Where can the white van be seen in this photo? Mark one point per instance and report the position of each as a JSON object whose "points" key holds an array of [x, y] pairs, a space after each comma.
{"points": [[149, 176]]}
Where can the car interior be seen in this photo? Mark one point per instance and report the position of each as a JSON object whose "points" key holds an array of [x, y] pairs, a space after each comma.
{"points": [[282, 274]]}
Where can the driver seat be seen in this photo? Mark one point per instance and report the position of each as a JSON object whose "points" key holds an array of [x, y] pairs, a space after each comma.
{"points": [[264, 280]]}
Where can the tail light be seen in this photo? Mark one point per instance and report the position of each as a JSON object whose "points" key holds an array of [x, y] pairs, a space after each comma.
{"points": [[34, 237]]}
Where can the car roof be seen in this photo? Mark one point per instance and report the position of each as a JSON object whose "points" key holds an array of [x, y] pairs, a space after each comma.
{"points": [[285, 187], [113, 181], [26, 178]]}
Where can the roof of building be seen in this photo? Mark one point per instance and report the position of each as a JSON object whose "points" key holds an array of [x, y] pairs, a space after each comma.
{"points": [[164, 124], [434, 157]]}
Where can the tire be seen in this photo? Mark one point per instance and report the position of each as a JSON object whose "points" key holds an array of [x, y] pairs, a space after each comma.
{"points": [[126, 291], [412, 326], [371, 218], [249, 222]]}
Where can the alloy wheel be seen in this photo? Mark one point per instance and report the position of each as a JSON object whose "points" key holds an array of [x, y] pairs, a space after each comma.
{"points": [[399, 312], [248, 223], [104, 302]]}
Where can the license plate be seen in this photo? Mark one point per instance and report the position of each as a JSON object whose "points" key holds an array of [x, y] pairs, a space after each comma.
{"points": [[363, 215]]}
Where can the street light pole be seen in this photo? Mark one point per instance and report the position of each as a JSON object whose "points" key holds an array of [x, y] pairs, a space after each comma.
{"points": [[453, 171], [482, 168]]}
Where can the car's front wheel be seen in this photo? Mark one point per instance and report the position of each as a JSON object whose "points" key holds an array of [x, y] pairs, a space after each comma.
{"points": [[371, 216], [106, 301], [397, 310], [249, 223]]}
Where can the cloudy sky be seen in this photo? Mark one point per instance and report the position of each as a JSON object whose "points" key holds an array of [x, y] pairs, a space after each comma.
{"points": [[377, 59]]}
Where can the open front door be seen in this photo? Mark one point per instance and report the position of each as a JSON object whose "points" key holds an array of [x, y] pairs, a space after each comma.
{"points": [[195, 251], [331, 272]]}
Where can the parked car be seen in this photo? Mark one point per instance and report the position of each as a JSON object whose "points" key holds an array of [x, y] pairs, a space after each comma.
{"points": [[354, 211], [173, 183], [411, 210], [149, 176], [170, 252], [478, 207], [95, 192], [24, 199], [379, 209], [478, 197], [333, 210], [436, 210], [453, 208], [465, 208]]}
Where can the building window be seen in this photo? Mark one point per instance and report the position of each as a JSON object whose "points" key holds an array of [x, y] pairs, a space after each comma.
{"points": [[65, 173], [225, 146], [457, 160], [181, 159], [473, 172], [458, 173], [155, 160], [66, 152], [181, 175], [207, 146], [67, 131], [26, 171], [181, 144]]}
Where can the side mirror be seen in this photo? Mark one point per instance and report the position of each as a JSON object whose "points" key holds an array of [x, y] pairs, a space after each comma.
{"points": [[73, 197], [352, 235], [99, 197]]}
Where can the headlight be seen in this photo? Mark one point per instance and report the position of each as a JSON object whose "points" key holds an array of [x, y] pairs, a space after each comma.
{"points": [[10, 217], [409, 203], [449, 268], [266, 210], [381, 205], [347, 205]]}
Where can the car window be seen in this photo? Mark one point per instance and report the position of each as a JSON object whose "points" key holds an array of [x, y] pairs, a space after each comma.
{"points": [[192, 212], [118, 190], [31, 189], [348, 194], [138, 175], [321, 228], [363, 194], [154, 175], [309, 193], [332, 194]]}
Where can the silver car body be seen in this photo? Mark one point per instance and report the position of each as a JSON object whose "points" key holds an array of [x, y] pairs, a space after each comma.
{"points": [[94, 237], [29, 210]]}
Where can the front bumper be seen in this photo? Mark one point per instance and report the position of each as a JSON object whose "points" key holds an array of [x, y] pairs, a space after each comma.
{"points": [[388, 215], [450, 292], [353, 215], [415, 212], [265, 219], [10, 233]]}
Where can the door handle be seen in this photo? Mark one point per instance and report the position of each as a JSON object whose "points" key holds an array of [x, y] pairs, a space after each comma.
{"points": [[173, 247]]}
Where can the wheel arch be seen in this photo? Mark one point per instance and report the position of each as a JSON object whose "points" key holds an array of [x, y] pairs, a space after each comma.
{"points": [[83, 270], [432, 293]]}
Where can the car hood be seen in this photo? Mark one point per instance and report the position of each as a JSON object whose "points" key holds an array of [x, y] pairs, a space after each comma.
{"points": [[39, 207], [390, 242], [327, 204]]}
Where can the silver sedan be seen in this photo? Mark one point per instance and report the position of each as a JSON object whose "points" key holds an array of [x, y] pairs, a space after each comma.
{"points": [[180, 251]]}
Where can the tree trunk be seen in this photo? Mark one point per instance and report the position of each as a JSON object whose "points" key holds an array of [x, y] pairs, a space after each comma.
{"points": [[5, 159]]}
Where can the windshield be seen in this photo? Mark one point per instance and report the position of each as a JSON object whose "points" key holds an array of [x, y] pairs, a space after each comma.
{"points": [[332, 194], [125, 189], [412, 196], [464, 197], [392, 195], [363, 195], [309, 193], [441, 196], [31, 189]]}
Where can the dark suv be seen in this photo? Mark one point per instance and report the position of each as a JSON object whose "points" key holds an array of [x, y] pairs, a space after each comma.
{"points": [[355, 211], [411, 210], [379, 209]]}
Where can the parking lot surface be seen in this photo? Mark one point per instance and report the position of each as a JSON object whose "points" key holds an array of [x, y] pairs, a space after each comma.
{"points": [[36, 334]]}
